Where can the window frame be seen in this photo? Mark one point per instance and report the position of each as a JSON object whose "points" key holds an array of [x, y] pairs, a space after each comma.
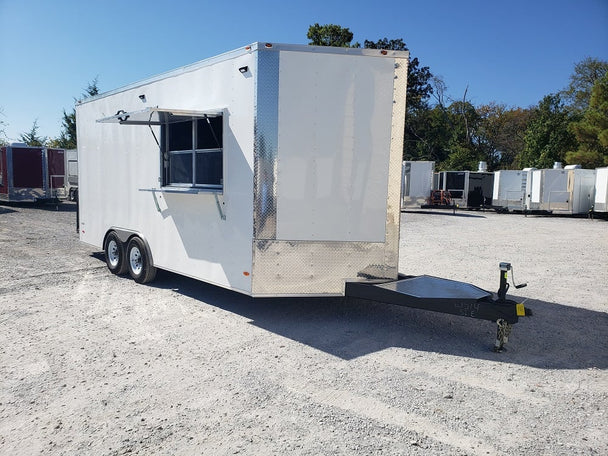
{"points": [[167, 153]]}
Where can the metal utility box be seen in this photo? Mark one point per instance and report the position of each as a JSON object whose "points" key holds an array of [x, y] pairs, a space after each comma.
{"points": [[509, 190], [566, 191], [270, 170], [468, 189], [416, 182], [30, 174], [601, 190]]}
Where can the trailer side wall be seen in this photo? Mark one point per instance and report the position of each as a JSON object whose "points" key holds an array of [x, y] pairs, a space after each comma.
{"points": [[120, 166]]}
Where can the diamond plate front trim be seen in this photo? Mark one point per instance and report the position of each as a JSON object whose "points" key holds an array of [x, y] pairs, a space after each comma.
{"points": [[266, 139]]}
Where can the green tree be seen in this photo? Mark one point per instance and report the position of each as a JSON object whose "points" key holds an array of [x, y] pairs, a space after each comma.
{"points": [[427, 135], [592, 130], [548, 136], [465, 148], [447, 135], [586, 73], [501, 132], [67, 137], [31, 138], [330, 35]]}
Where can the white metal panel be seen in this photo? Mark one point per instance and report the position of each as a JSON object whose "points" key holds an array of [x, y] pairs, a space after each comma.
{"points": [[187, 235], [333, 162], [508, 190], [555, 193], [536, 194], [601, 190], [528, 177], [498, 175], [583, 189]]}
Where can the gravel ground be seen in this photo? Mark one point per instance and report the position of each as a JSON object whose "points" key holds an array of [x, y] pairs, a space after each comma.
{"points": [[96, 364]]}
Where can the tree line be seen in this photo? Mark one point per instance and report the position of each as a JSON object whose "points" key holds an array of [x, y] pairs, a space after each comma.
{"points": [[570, 126]]}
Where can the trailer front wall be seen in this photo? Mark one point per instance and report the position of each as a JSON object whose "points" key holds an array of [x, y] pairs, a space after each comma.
{"points": [[334, 144], [335, 179], [509, 189], [120, 174]]}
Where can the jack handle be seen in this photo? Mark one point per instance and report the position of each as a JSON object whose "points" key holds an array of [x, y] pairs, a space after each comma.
{"points": [[504, 284]]}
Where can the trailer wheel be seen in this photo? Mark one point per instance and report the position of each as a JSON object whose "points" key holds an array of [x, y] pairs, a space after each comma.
{"points": [[114, 250], [138, 262]]}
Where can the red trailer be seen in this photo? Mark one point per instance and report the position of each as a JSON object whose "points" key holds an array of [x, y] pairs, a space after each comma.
{"points": [[30, 174]]}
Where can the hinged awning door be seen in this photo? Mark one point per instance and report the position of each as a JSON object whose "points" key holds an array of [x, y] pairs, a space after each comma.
{"points": [[157, 116]]}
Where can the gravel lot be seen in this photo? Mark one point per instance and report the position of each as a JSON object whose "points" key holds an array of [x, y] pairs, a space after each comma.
{"points": [[96, 364]]}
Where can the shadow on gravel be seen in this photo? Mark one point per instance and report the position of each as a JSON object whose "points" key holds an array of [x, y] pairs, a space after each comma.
{"points": [[556, 337], [54, 207], [445, 212], [6, 210]]}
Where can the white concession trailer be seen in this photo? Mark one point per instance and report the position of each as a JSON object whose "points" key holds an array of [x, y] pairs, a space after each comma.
{"points": [[563, 191], [271, 170]]}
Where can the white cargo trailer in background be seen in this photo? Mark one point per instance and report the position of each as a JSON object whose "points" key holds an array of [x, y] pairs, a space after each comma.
{"points": [[270, 170], [601, 190], [509, 190], [565, 191], [416, 182]]}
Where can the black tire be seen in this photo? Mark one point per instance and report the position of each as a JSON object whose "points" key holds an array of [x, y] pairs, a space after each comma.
{"points": [[114, 250], [138, 261]]}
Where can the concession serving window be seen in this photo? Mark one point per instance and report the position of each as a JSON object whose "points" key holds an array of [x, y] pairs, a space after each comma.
{"points": [[191, 144]]}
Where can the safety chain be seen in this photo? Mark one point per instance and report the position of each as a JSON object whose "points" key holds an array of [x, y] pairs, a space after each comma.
{"points": [[502, 334]]}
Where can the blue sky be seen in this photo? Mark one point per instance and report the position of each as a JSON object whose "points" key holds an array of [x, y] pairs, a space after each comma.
{"points": [[512, 52]]}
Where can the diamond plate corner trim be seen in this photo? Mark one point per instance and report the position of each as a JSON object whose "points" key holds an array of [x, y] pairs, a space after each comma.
{"points": [[393, 207], [266, 138]]}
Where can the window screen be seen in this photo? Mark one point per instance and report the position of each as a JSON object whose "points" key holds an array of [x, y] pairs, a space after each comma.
{"points": [[194, 152]]}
